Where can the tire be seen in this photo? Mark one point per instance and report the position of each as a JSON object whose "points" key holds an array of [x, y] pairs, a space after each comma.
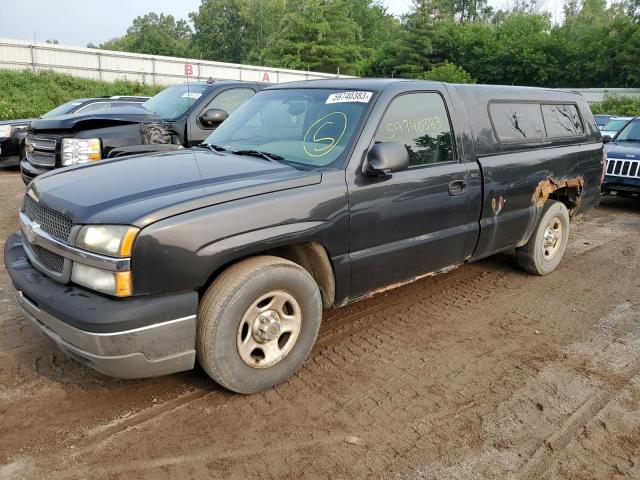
{"points": [[237, 313], [537, 256]]}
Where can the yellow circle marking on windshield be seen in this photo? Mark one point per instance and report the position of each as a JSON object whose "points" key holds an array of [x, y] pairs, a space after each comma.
{"points": [[315, 132]]}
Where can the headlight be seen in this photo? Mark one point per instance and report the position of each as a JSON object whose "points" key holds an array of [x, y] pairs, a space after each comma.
{"points": [[105, 281], [112, 240], [80, 150], [5, 130]]}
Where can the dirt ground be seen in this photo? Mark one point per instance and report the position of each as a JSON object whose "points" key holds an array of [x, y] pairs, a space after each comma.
{"points": [[484, 372]]}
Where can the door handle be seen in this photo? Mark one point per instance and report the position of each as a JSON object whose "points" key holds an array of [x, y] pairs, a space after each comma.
{"points": [[457, 187]]}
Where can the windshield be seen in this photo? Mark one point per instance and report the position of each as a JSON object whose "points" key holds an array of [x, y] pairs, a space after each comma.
{"points": [[308, 126], [601, 119], [173, 102], [615, 125], [62, 109], [630, 133]]}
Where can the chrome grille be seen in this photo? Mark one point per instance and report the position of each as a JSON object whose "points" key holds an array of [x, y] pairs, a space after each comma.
{"points": [[619, 167], [52, 261], [41, 151], [42, 159], [52, 222]]}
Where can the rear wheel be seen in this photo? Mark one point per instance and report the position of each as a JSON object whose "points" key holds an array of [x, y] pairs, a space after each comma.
{"points": [[257, 323], [545, 248]]}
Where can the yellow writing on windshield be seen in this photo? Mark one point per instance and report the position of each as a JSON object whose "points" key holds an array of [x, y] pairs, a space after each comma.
{"points": [[324, 134]]}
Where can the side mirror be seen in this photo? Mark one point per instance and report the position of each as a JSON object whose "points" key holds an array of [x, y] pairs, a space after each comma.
{"points": [[606, 138], [213, 116], [385, 158]]}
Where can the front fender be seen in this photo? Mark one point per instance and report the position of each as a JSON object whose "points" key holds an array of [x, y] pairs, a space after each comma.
{"points": [[184, 251]]}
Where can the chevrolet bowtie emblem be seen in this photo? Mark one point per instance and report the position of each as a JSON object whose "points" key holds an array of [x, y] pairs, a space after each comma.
{"points": [[30, 232]]}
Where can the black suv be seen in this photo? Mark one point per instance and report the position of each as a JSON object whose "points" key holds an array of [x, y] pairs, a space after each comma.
{"points": [[12, 132], [179, 116], [623, 162]]}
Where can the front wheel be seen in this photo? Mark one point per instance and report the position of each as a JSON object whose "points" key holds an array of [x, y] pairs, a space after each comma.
{"points": [[257, 323], [545, 248]]}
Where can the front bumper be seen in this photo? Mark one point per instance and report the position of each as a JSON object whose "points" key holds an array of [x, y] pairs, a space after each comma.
{"points": [[29, 172], [614, 185], [123, 338], [9, 152]]}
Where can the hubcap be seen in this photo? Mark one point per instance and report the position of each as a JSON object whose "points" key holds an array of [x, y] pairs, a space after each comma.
{"points": [[552, 239], [269, 329], [267, 326]]}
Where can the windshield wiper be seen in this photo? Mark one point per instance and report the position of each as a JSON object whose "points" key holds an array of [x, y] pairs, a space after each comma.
{"points": [[272, 157], [211, 146]]}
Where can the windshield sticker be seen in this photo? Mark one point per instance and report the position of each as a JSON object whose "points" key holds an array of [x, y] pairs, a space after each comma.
{"points": [[194, 95], [324, 134], [348, 97]]}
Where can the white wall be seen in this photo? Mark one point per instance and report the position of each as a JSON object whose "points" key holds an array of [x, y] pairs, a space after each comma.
{"points": [[595, 95], [152, 69]]}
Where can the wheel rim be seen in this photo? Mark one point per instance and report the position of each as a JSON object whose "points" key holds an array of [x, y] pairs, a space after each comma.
{"points": [[552, 239], [269, 329]]}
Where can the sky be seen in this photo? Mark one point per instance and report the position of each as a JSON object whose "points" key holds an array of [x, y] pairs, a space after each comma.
{"points": [[78, 22]]}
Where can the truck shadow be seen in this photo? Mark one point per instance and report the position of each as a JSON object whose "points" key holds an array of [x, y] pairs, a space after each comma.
{"points": [[620, 204]]}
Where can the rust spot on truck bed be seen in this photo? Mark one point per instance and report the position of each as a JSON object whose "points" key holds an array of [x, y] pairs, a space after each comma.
{"points": [[497, 204], [550, 185]]}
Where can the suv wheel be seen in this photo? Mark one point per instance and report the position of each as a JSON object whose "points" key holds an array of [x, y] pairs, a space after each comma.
{"points": [[546, 246], [257, 323]]}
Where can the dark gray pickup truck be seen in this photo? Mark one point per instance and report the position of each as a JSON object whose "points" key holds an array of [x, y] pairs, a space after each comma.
{"points": [[309, 196]]}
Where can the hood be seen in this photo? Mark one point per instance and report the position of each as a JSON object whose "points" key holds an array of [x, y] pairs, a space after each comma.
{"points": [[611, 133], [625, 150], [22, 121], [119, 115], [144, 189]]}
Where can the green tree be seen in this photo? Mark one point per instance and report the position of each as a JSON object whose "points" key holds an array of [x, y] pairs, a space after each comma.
{"points": [[462, 10], [596, 45], [469, 45], [261, 19], [449, 72], [317, 35], [155, 34], [409, 53], [219, 30], [519, 50]]}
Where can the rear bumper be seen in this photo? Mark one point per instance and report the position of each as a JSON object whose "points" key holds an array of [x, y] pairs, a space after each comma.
{"points": [[110, 335]]}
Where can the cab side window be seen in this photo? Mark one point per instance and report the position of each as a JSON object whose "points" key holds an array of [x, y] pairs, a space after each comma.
{"points": [[420, 122], [230, 100]]}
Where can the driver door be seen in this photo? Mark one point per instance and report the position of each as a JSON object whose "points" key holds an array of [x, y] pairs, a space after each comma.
{"points": [[414, 221]]}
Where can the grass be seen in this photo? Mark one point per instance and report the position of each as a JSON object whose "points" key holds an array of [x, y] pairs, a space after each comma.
{"points": [[618, 105], [24, 94]]}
